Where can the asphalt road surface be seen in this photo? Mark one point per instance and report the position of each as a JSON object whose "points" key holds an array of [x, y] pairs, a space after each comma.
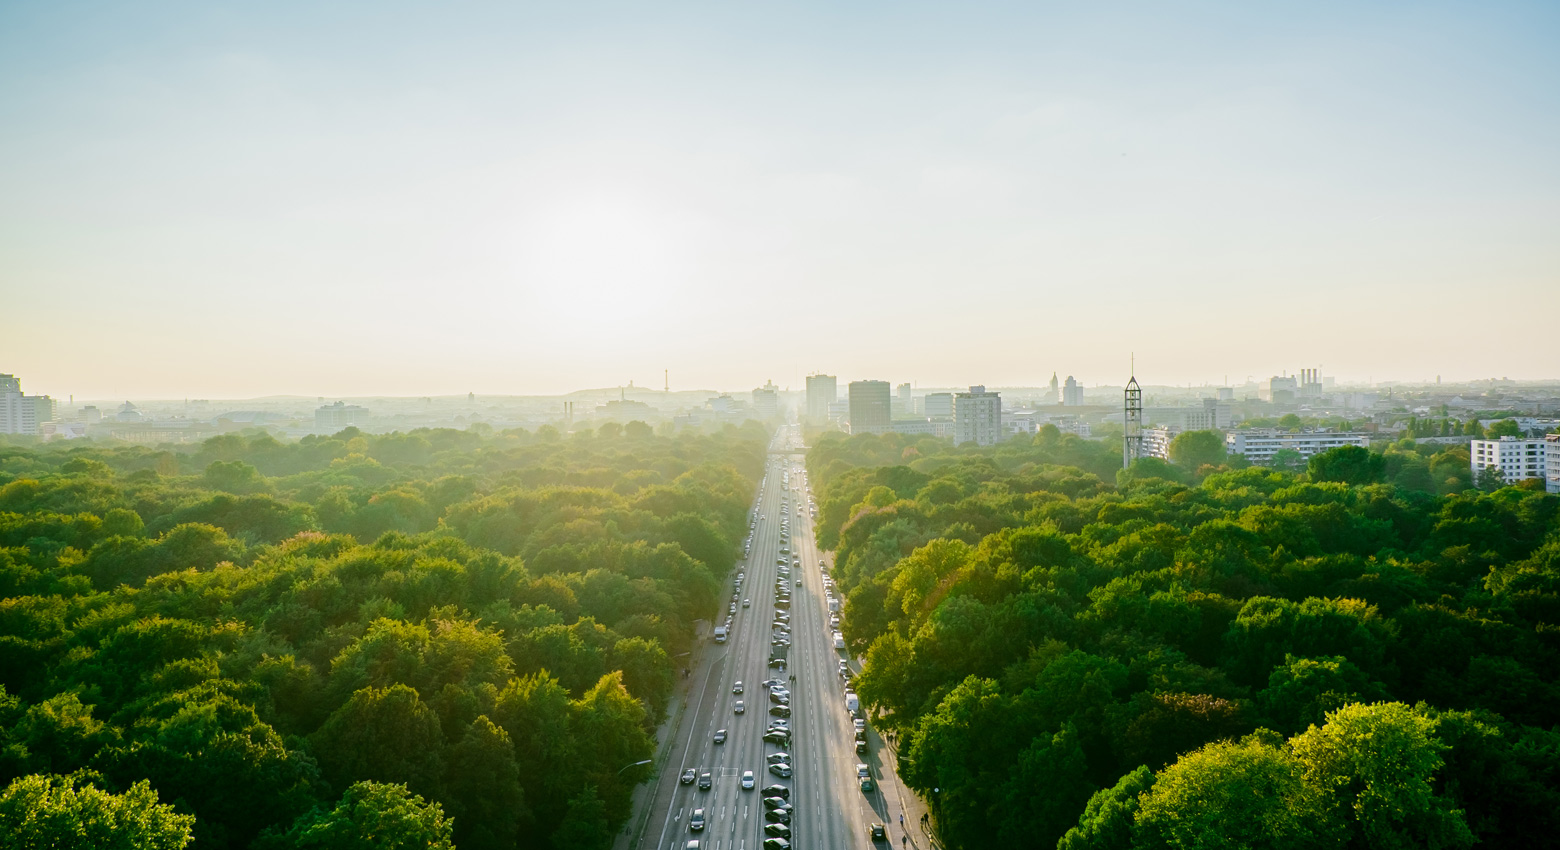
{"points": [[830, 810]]}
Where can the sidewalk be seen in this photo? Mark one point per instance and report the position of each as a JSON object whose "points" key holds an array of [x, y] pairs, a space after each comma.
{"points": [[911, 807], [631, 835]]}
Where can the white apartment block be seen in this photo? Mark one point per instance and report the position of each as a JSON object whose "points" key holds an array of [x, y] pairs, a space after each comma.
{"points": [[1552, 463], [1259, 446], [1517, 458], [977, 417], [1156, 442]]}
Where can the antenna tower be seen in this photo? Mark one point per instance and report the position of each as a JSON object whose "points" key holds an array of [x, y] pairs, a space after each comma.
{"points": [[1132, 435]]}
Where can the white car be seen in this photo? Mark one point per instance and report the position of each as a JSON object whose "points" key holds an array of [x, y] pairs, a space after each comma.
{"points": [[747, 780]]}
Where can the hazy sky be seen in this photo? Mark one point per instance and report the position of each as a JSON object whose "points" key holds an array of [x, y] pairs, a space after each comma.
{"points": [[220, 199]]}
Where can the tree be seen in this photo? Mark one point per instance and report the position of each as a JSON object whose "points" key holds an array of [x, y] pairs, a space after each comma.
{"points": [[1287, 460], [1489, 479], [1474, 429], [63, 813], [1504, 428], [1106, 822], [371, 816], [1289, 422], [482, 785], [1246, 794], [385, 735], [1376, 764], [1353, 465], [585, 825], [1192, 450]]}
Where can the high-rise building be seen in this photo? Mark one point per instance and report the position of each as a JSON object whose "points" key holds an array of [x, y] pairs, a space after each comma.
{"points": [[1552, 463], [1283, 390], [869, 407], [766, 401], [977, 417], [822, 390], [330, 418], [1056, 394], [903, 403], [1072, 393], [1516, 458], [938, 405], [22, 414]]}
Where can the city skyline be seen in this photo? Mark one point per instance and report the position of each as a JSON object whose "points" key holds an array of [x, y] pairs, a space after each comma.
{"points": [[504, 199]]}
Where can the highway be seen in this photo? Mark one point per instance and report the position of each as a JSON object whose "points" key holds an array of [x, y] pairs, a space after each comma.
{"points": [[830, 810]]}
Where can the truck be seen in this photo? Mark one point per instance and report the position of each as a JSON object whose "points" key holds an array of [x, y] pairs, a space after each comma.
{"points": [[839, 641], [834, 604], [852, 702], [720, 634]]}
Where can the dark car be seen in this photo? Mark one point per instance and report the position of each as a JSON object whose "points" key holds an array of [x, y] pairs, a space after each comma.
{"points": [[777, 790], [777, 816], [780, 710], [705, 781], [779, 830], [776, 803], [778, 737], [720, 736], [877, 831], [689, 775], [776, 844]]}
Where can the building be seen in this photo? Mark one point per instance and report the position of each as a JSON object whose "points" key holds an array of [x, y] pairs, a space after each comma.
{"points": [[19, 413], [330, 418], [1259, 446], [766, 401], [1072, 393], [870, 407], [1210, 415], [977, 417], [839, 410], [903, 402], [938, 405], [1156, 441], [1552, 463], [921, 427], [1283, 390], [1056, 389], [1517, 458], [91, 415], [822, 391]]}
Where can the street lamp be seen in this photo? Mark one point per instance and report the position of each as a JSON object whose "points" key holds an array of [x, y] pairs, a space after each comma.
{"points": [[635, 764]]}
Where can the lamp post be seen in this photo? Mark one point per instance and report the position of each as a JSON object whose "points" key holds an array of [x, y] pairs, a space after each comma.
{"points": [[635, 764]]}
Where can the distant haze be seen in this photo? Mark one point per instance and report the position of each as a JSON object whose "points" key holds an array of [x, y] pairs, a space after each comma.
{"points": [[235, 200]]}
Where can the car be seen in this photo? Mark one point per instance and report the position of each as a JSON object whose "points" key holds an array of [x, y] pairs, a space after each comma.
{"points": [[861, 747], [696, 821], [780, 710], [779, 695], [689, 775], [777, 816], [692, 845], [737, 688], [720, 736], [776, 803], [778, 736], [776, 844], [777, 790], [747, 780], [747, 603], [733, 607], [738, 708], [776, 758], [877, 832], [783, 771], [798, 582], [778, 829], [705, 781]]}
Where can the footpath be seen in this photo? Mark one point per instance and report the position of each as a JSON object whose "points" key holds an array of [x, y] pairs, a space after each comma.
{"points": [[631, 836]]}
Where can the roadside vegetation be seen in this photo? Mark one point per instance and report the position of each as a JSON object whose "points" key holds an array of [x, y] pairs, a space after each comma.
{"points": [[1361, 651], [427, 639]]}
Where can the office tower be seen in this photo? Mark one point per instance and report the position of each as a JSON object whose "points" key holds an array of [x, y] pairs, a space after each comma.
{"points": [[869, 407], [939, 405], [977, 417], [1072, 393], [822, 390]]}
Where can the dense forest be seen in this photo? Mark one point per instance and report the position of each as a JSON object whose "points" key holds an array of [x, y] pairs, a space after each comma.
{"points": [[1361, 652], [429, 639]]}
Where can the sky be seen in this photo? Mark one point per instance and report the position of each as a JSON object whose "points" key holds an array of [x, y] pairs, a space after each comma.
{"points": [[230, 200]]}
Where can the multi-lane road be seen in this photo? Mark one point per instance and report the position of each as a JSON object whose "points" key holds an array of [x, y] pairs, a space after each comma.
{"points": [[829, 809]]}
